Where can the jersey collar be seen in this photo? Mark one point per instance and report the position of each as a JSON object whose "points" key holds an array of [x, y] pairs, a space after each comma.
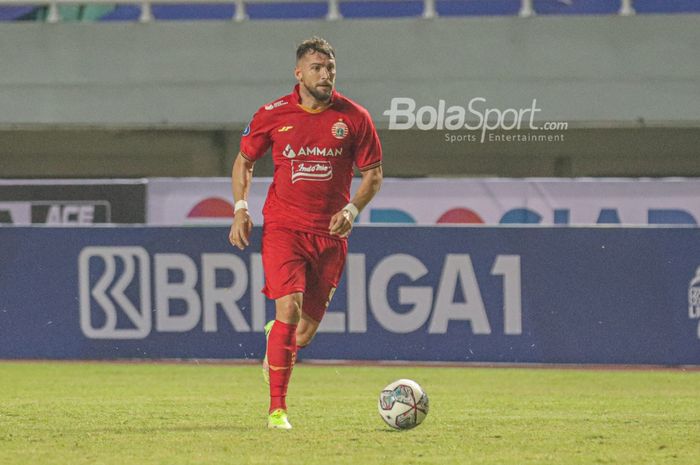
{"points": [[296, 98]]}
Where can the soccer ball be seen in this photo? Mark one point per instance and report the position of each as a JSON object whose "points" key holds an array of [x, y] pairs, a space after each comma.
{"points": [[403, 404]]}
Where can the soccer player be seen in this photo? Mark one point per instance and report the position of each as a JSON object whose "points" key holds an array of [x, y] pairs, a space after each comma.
{"points": [[317, 136]]}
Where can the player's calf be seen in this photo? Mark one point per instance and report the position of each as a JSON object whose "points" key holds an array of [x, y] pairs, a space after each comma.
{"points": [[281, 354]]}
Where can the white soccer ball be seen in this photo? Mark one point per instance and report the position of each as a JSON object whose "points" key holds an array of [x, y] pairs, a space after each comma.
{"points": [[403, 404]]}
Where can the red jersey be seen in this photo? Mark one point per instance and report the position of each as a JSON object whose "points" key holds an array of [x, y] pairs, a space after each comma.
{"points": [[313, 153]]}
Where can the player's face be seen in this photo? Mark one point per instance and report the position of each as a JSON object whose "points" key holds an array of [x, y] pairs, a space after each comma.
{"points": [[316, 73]]}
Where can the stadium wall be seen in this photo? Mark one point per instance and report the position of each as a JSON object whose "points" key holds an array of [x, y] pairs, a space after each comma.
{"points": [[512, 295], [102, 152], [171, 98], [580, 69]]}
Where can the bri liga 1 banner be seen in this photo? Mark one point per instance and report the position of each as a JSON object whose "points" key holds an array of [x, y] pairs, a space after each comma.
{"points": [[512, 295]]}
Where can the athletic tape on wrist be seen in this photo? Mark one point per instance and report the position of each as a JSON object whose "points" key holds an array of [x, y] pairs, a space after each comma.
{"points": [[352, 209], [240, 204]]}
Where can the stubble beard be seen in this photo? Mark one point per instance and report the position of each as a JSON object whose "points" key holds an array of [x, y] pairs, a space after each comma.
{"points": [[318, 95]]}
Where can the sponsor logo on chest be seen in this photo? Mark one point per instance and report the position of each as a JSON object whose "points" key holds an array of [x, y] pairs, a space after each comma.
{"points": [[304, 151], [320, 170]]}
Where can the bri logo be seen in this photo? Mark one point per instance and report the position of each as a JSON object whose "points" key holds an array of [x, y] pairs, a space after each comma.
{"points": [[125, 293], [119, 266], [694, 299]]}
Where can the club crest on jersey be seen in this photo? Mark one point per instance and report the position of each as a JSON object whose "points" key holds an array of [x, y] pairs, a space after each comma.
{"points": [[311, 170], [339, 130]]}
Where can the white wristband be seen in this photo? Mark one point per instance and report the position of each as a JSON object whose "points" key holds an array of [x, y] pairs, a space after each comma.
{"points": [[352, 209], [239, 205]]}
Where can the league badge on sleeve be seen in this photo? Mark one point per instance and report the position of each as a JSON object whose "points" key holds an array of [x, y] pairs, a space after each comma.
{"points": [[246, 131]]}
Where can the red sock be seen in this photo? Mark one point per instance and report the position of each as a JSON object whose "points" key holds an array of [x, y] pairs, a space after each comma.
{"points": [[281, 354]]}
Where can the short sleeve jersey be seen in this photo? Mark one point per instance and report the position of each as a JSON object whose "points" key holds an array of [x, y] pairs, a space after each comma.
{"points": [[313, 154]]}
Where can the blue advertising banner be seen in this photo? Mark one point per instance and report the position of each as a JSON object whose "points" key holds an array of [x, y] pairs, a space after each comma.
{"points": [[538, 295]]}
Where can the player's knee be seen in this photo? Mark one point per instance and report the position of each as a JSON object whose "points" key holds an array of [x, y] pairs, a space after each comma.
{"points": [[288, 310], [289, 313]]}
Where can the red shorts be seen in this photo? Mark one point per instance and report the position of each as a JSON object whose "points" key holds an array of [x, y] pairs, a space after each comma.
{"points": [[297, 261]]}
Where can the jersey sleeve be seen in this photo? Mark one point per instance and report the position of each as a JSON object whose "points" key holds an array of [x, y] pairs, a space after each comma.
{"points": [[368, 149], [256, 137]]}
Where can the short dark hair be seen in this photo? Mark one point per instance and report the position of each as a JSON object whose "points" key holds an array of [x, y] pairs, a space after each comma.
{"points": [[315, 44]]}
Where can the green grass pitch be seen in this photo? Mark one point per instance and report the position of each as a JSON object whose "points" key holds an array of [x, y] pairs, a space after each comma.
{"points": [[93, 413]]}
